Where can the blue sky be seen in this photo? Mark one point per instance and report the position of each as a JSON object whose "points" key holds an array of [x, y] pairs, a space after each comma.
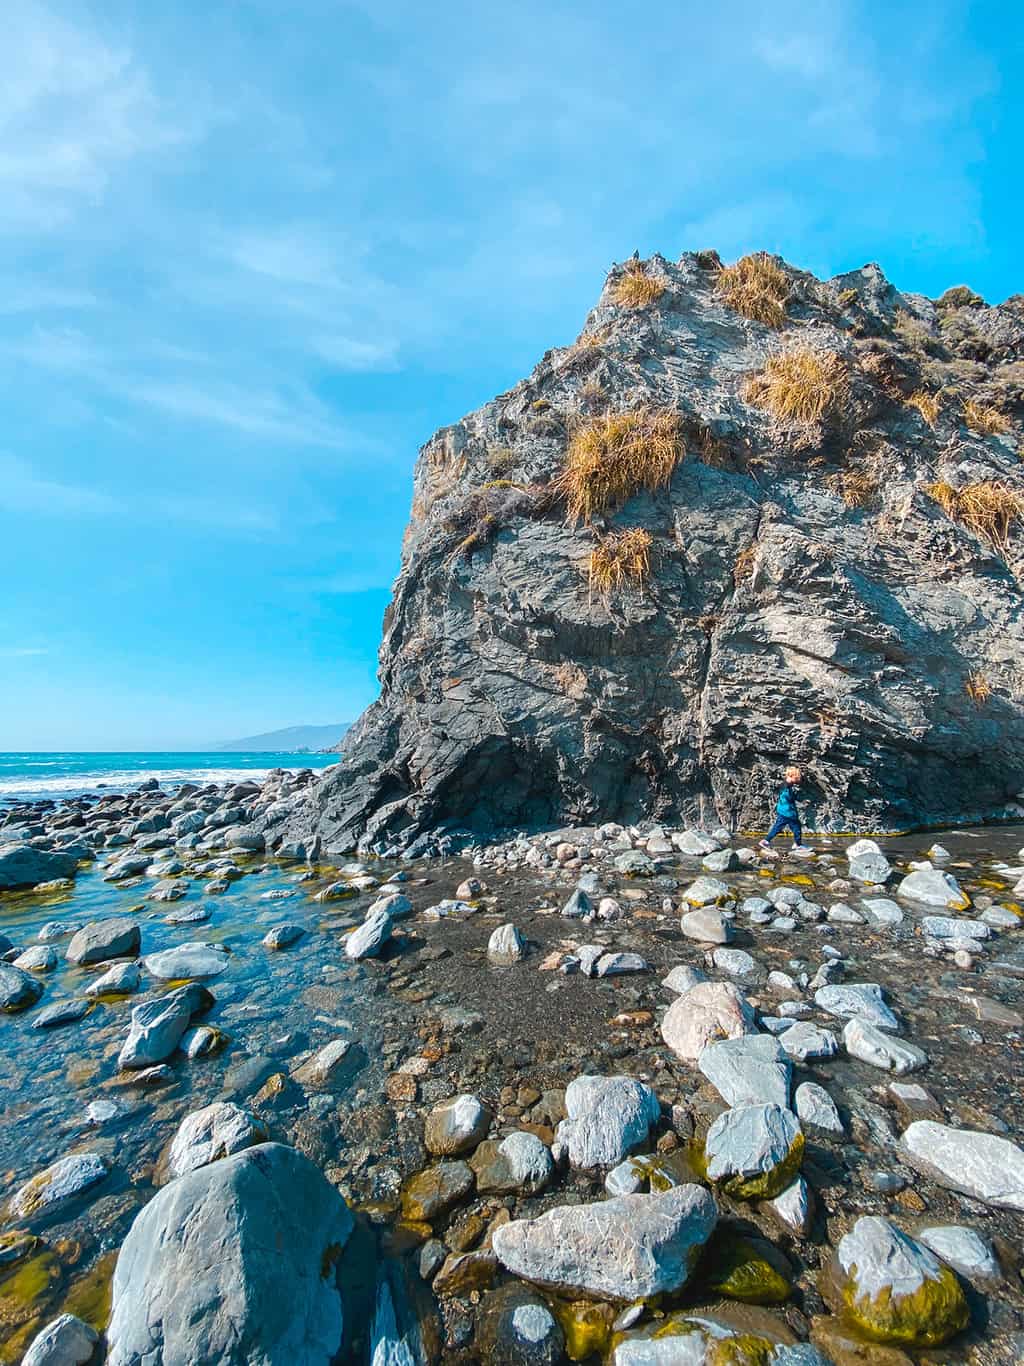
{"points": [[252, 255]]}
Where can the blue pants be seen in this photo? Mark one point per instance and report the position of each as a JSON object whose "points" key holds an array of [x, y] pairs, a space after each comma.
{"points": [[781, 823]]}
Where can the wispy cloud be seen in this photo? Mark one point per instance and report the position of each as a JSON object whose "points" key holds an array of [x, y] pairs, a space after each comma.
{"points": [[22, 651], [74, 109], [23, 490]]}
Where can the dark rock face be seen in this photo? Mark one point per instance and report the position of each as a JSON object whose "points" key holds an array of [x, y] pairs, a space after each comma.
{"points": [[808, 601]]}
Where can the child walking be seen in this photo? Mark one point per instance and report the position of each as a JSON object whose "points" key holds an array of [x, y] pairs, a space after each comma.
{"points": [[786, 812]]}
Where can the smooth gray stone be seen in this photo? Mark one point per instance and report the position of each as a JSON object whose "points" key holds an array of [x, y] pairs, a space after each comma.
{"points": [[606, 1118], [750, 1070], [954, 927], [817, 1110], [506, 945], [624, 1249], [64, 1012], [984, 1166], [187, 960], [706, 891], [749, 1141], [67, 1341], [934, 888], [214, 1132], [862, 999], [281, 936], [233, 1263], [18, 989], [157, 1026], [965, 1250], [806, 1042], [870, 1045], [118, 937], [62, 1180], [367, 939], [22, 865], [120, 978]]}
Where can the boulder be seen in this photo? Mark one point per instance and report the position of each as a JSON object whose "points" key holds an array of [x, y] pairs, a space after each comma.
{"points": [[806, 1042], [635, 863], [870, 867], [518, 1164], [893, 1288], [870, 1045], [18, 989], [233, 1263], [749, 1070], [865, 1000], [816, 1109], [705, 1013], [736, 963], [66, 1341], [62, 1181], [118, 937], [754, 1151], [215, 1131], [984, 1166], [157, 1026], [188, 961], [506, 945], [433, 1192], [367, 939], [683, 977], [120, 980], [707, 891], [281, 936], [518, 1329], [707, 926], [456, 1126], [934, 888], [966, 1251], [36, 958], [606, 1118], [69, 1011], [954, 927], [694, 843], [625, 1249], [22, 865]]}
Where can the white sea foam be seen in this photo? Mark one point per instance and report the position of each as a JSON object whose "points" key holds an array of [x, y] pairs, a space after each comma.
{"points": [[24, 787]]}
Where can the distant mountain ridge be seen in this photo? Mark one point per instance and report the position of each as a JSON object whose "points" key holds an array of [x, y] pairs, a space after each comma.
{"points": [[290, 740]]}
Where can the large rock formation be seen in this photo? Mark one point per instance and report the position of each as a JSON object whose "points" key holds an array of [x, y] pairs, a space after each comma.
{"points": [[816, 592]]}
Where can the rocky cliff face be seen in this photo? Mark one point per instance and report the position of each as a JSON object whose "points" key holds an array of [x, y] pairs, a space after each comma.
{"points": [[832, 576]]}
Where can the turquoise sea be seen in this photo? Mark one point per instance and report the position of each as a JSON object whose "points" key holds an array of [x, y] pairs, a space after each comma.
{"points": [[69, 774]]}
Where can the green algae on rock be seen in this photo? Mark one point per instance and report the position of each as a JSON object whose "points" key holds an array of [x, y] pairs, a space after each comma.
{"points": [[892, 1289], [741, 1269]]}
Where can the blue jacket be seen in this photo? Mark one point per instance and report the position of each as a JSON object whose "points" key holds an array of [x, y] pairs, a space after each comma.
{"points": [[786, 805]]}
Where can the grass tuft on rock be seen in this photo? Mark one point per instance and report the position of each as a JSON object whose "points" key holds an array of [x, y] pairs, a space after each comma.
{"points": [[989, 509], [799, 385], [757, 288], [613, 456], [978, 688], [926, 404], [857, 488], [984, 420], [636, 287], [624, 557]]}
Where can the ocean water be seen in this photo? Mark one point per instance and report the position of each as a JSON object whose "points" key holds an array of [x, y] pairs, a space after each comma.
{"points": [[72, 774]]}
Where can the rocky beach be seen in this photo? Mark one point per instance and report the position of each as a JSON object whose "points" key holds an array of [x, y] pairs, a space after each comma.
{"points": [[627, 1093], [504, 1040]]}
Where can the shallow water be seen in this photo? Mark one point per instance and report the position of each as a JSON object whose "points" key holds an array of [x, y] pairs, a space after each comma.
{"points": [[542, 1028], [48, 1077]]}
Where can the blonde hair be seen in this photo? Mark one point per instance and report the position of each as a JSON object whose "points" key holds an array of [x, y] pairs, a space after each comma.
{"points": [[792, 774]]}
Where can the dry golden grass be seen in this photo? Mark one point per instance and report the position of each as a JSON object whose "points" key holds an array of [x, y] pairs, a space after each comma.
{"points": [[619, 558], [799, 385], [978, 689], [756, 287], [857, 488], [984, 420], [926, 404], [989, 509], [743, 569], [636, 287], [615, 455]]}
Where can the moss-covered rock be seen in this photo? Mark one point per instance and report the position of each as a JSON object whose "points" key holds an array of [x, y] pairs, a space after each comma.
{"points": [[892, 1289], [744, 1270]]}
